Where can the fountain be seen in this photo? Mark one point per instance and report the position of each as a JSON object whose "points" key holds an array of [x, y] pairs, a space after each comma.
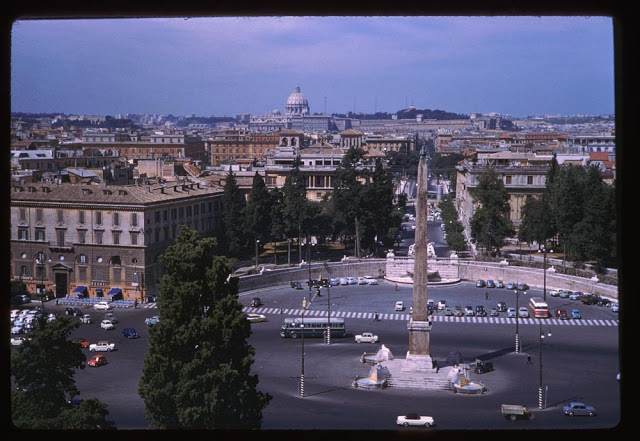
{"points": [[383, 354], [459, 383]]}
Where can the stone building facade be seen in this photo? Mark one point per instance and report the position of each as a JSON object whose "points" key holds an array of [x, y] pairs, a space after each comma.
{"points": [[68, 237]]}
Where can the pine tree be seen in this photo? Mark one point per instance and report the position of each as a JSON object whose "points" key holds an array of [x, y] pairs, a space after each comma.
{"points": [[233, 205], [197, 371]]}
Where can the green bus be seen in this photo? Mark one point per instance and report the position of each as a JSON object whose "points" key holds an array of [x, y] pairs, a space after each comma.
{"points": [[313, 327]]}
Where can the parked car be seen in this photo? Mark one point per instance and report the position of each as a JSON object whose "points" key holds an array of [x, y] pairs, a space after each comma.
{"points": [[110, 316], [523, 287], [102, 306], [589, 299], [76, 312], [97, 360], [344, 281], [457, 311], [604, 302], [511, 312], [86, 319], [565, 294], [362, 281], [615, 307], [523, 312], [468, 310], [84, 343], [575, 295], [561, 314], [555, 292], [129, 333], [575, 314], [480, 312], [102, 346], [296, 285], [482, 367], [366, 337], [430, 306], [493, 312], [372, 281], [17, 341], [413, 419], [351, 280], [152, 320], [480, 284], [334, 282], [501, 307], [576, 408], [255, 318], [490, 284], [399, 306], [17, 329], [448, 311], [511, 285], [255, 302], [499, 284], [107, 325], [441, 304]]}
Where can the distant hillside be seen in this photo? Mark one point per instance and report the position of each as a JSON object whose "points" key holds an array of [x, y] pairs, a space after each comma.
{"points": [[410, 113]]}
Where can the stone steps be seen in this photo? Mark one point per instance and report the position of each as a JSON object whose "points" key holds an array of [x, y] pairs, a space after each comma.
{"points": [[438, 382]]}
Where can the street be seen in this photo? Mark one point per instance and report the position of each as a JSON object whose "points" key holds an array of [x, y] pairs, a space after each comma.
{"points": [[580, 362]]}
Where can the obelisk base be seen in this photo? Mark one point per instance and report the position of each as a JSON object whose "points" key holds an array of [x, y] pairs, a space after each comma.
{"points": [[418, 358]]}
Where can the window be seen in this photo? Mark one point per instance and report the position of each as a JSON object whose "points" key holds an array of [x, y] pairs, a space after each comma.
{"points": [[529, 180], [157, 235], [116, 237], [99, 237], [23, 214], [508, 180], [23, 233], [40, 234], [165, 215], [82, 236], [157, 216], [98, 217], [134, 238], [81, 217], [60, 216], [39, 215], [60, 237], [82, 258], [134, 219], [181, 212], [82, 273], [117, 274], [116, 218]]}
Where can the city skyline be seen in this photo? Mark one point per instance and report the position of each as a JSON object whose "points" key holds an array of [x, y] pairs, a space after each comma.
{"points": [[232, 65]]}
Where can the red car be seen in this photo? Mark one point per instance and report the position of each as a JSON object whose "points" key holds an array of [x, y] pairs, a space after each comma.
{"points": [[561, 313], [82, 342], [97, 360]]}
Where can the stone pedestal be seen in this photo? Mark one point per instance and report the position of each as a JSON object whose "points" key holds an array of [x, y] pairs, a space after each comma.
{"points": [[418, 357], [417, 363]]}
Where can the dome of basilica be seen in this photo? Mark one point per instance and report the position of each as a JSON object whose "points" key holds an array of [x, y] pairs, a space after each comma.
{"points": [[297, 103]]}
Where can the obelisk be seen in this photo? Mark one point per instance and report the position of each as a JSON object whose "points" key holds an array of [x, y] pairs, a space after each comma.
{"points": [[418, 357]]}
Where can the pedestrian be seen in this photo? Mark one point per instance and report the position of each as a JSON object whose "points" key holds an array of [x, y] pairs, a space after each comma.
{"points": [[135, 304], [435, 366], [375, 316], [486, 295], [56, 302], [396, 286], [529, 359], [281, 310]]}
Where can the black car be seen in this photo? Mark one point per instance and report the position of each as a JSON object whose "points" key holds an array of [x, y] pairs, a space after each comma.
{"points": [[480, 312], [589, 299], [296, 285], [482, 367], [76, 312], [604, 302], [502, 306], [255, 302]]}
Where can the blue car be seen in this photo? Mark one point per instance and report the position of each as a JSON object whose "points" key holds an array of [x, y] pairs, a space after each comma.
{"points": [[575, 314], [129, 333], [152, 320]]}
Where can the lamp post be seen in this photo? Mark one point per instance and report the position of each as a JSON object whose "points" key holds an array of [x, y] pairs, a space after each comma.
{"points": [[517, 314], [329, 313], [257, 243], [43, 267], [544, 270], [304, 307], [540, 395]]}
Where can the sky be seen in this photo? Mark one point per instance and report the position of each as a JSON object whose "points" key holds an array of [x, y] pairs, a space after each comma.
{"points": [[225, 66]]}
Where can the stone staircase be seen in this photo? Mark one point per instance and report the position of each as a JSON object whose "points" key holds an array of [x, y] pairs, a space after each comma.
{"points": [[428, 379]]}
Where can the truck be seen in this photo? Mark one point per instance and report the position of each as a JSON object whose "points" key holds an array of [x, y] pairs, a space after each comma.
{"points": [[515, 411], [366, 337], [102, 346]]}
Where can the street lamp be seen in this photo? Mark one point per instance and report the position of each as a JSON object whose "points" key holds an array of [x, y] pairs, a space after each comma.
{"points": [[304, 307], [517, 291], [540, 405], [257, 243], [544, 270], [43, 267], [329, 313]]}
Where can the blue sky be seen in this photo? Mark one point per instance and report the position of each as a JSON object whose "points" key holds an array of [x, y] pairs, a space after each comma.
{"points": [[230, 65]]}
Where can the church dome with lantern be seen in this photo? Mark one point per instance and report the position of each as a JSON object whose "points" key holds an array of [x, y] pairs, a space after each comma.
{"points": [[297, 103]]}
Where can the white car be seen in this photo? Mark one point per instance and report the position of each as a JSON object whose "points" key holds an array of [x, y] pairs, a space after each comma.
{"points": [[511, 312], [366, 337], [102, 306], [523, 312], [17, 329], [413, 419], [102, 346], [107, 324], [255, 318], [14, 313], [373, 282], [17, 341], [399, 306], [86, 319]]}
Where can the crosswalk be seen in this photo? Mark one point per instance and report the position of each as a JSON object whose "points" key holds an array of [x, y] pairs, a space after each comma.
{"points": [[436, 318]]}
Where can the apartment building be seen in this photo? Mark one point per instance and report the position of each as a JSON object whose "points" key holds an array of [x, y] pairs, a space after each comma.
{"points": [[233, 145], [94, 239]]}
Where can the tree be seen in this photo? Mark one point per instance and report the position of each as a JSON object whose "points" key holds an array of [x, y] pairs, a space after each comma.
{"points": [[537, 220], [197, 371], [233, 204], [490, 223], [294, 204], [258, 211], [43, 369]]}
